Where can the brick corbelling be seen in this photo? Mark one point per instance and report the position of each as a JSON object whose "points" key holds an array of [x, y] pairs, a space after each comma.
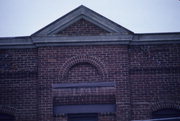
{"points": [[162, 105], [83, 59]]}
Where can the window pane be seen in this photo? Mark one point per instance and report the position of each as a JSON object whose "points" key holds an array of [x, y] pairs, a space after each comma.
{"points": [[82, 117], [6, 117]]}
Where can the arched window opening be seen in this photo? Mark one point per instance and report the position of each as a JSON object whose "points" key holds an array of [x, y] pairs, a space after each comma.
{"points": [[168, 113], [6, 117]]}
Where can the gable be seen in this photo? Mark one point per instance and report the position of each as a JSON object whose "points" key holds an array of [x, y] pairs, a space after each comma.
{"points": [[82, 21], [82, 27]]}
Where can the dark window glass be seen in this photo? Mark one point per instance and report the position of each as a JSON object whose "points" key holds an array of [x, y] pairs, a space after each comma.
{"points": [[83, 117], [166, 113], [6, 117]]}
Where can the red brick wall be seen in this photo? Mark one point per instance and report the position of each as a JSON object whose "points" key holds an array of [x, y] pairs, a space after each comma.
{"points": [[82, 27], [18, 83], [147, 78], [155, 78], [84, 60]]}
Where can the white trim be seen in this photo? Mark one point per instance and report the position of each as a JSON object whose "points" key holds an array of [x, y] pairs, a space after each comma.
{"points": [[76, 14]]}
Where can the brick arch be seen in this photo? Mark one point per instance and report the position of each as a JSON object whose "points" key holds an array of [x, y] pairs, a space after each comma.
{"points": [[83, 59], [163, 105], [7, 110]]}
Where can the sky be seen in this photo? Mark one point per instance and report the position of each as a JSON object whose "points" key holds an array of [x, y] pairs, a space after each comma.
{"points": [[25, 17]]}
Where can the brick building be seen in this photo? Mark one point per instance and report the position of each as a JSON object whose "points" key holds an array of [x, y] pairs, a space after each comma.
{"points": [[84, 67]]}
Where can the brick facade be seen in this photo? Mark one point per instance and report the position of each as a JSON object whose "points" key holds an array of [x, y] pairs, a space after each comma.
{"points": [[146, 77], [18, 85]]}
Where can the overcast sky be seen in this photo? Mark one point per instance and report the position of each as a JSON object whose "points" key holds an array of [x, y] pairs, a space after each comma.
{"points": [[24, 17]]}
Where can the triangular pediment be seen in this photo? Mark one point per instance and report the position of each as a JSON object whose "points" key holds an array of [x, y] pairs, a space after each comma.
{"points": [[82, 27], [82, 22]]}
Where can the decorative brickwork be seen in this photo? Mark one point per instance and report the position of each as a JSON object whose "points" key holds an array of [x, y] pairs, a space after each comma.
{"points": [[84, 99], [164, 105], [82, 60], [84, 91]]}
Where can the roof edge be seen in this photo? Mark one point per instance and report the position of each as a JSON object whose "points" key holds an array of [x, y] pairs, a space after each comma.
{"points": [[136, 39], [81, 10]]}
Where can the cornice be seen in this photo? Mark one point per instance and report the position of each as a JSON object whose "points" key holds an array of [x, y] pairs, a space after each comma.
{"points": [[136, 39]]}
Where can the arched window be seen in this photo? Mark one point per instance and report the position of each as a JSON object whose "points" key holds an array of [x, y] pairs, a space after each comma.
{"points": [[6, 117], [166, 113]]}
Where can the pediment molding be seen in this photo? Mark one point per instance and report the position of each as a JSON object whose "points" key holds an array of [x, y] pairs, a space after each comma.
{"points": [[81, 12]]}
